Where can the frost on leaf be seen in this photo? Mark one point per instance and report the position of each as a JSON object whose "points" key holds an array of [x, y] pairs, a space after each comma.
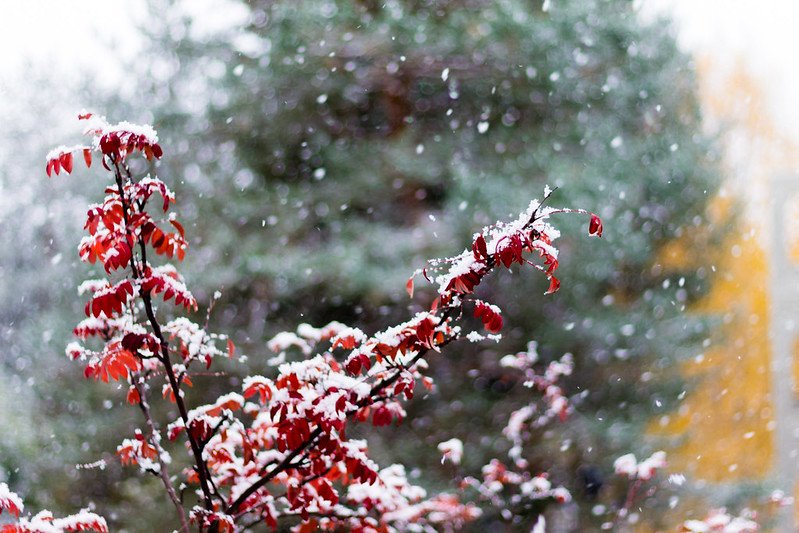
{"points": [[490, 315], [258, 385], [62, 158], [451, 450], [165, 280], [115, 363], [121, 140], [139, 452], [44, 521], [627, 465], [720, 521], [110, 300], [9, 501]]}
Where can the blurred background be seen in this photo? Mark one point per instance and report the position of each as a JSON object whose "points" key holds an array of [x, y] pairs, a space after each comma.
{"points": [[321, 151]]}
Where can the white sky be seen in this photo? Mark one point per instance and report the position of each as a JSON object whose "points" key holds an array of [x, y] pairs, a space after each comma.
{"points": [[69, 36], [762, 32]]}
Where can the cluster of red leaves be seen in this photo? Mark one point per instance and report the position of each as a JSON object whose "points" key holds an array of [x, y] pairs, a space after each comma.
{"points": [[112, 242], [133, 451], [139, 342], [108, 243], [292, 409], [119, 144], [120, 140], [63, 158], [141, 191], [424, 332], [113, 141], [110, 239], [9, 502], [115, 362], [115, 228], [109, 213], [258, 385], [501, 245], [110, 300], [96, 327], [170, 244], [44, 522], [168, 282], [311, 401]]}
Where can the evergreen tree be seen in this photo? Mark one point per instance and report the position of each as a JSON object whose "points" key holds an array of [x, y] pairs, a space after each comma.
{"points": [[322, 123], [333, 122]]}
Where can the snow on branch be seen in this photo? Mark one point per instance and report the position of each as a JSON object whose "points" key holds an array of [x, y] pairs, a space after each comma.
{"points": [[279, 449]]}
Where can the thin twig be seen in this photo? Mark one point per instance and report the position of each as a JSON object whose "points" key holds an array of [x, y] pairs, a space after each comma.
{"points": [[200, 465], [163, 471]]}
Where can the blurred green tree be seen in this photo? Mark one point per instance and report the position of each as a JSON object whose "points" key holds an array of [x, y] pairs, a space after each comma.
{"points": [[342, 143], [323, 150]]}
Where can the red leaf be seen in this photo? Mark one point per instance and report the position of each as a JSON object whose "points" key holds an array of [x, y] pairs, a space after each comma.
{"points": [[325, 490], [381, 416], [409, 286], [115, 363], [110, 299], [177, 224], [348, 342], [490, 316], [66, 162], [353, 366], [171, 287], [466, 282], [595, 226], [231, 404], [174, 432], [200, 429], [263, 390], [308, 526], [231, 349], [554, 285], [110, 143], [479, 248], [133, 396], [87, 157]]}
